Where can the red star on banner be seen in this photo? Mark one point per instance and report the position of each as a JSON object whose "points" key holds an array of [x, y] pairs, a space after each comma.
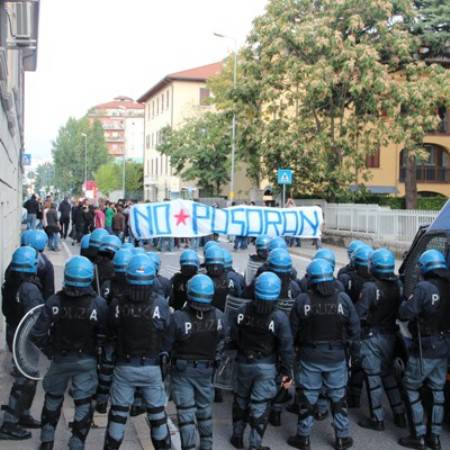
{"points": [[181, 217]]}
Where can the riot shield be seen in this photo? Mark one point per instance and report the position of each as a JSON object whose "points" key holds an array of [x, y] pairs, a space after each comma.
{"points": [[250, 271], [28, 359]]}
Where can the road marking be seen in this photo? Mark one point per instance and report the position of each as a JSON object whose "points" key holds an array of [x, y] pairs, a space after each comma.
{"points": [[67, 249]]}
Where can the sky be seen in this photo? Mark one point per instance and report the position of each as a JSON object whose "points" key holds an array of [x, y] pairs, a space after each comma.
{"points": [[90, 51]]}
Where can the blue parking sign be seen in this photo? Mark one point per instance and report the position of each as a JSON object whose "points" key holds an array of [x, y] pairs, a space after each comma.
{"points": [[285, 176], [26, 159]]}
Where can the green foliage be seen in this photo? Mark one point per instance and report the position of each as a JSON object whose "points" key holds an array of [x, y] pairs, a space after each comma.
{"points": [[45, 177], [109, 178], [69, 153], [432, 25], [200, 150]]}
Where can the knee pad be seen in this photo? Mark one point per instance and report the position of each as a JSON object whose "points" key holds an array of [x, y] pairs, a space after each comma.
{"points": [[111, 443], [339, 407], [305, 409], [51, 417], [80, 428], [163, 444], [112, 417], [239, 414]]}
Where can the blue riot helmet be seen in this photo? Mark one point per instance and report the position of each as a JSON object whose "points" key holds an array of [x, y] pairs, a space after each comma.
{"points": [[382, 263], [25, 260], [138, 250], [327, 255], [430, 261], [189, 258], [121, 259], [156, 260], [200, 292], [96, 237], [262, 246], [353, 246], [25, 237], [85, 244], [277, 242], [127, 245], [210, 244], [37, 239], [214, 261], [319, 271], [227, 259], [360, 257], [78, 272], [280, 261], [140, 271], [109, 245], [267, 287]]}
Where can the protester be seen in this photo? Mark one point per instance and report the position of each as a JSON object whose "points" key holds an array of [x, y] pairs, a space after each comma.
{"points": [[99, 218], [32, 207], [118, 223], [64, 220], [109, 215], [52, 227]]}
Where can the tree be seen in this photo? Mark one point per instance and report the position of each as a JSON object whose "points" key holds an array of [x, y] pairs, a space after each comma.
{"points": [[45, 177], [334, 81], [200, 149], [109, 178], [69, 153]]}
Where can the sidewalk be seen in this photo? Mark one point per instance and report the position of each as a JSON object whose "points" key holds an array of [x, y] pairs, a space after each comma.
{"points": [[137, 435]]}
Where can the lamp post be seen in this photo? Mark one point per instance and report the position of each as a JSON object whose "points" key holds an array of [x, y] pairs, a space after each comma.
{"points": [[85, 157], [123, 171], [233, 126]]}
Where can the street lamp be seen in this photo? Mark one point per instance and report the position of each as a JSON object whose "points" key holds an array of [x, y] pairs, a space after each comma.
{"points": [[233, 127], [85, 157]]}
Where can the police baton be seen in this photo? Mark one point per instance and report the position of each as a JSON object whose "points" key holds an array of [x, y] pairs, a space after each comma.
{"points": [[419, 341], [97, 280]]}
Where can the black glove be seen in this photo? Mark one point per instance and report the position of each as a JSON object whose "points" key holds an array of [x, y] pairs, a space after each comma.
{"points": [[356, 362], [164, 363]]}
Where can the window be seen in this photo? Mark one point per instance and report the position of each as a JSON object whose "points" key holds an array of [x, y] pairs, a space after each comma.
{"points": [[167, 99], [204, 96], [167, 165], [152, 168], [157, 106], [373, 160], [147, 141], [153, 108], [162, 102], [152, 141]]}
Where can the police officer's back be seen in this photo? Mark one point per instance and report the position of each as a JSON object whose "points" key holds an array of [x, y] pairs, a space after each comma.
{"points": [[162, 283], [109, 245], [215, 269], [236, 283], [189, 264], [350, 250]]}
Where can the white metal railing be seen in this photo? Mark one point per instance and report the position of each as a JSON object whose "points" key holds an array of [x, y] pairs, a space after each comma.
{"points": [[376, 221]]}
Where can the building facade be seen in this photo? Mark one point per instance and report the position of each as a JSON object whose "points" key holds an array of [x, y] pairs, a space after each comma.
{"points": [[122, 120], [18, 54]]}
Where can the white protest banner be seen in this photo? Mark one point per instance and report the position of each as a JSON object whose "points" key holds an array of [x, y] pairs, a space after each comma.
{"points": [[185, 218]]}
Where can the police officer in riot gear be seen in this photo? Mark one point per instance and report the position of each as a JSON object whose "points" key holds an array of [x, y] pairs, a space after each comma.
{"points": [[324, 322], [162, 284], [38, 239], [111, 289], [215, 268], [20, 292], [109, 245], [378, 309], [95, 239], [353, 282], [197, 335], [262, 249], [427, 311], [85, 248], [70, 330], [350, 250], [262, 336], [236, 284], [189, 265], [140, 323]]}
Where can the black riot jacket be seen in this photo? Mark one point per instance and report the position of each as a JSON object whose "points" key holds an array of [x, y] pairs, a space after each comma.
{"points": [[220, 291], [355, 283], [201, 342], [178, 293], [324, 322], [74, 329]]}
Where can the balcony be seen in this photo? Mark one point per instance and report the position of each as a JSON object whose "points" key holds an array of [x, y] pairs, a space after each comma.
{"points": [[428, 174], [115, 138]]}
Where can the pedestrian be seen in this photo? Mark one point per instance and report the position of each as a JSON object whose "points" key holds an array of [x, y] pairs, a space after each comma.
{"points": [[78, 223], [70, 330], [378, 310], [118, 223], [197, 338], [64, 209], [99, 218], [427, 311], [262, 336], [324, 323], [109, 214], [189, 265], [52, 227], [20, 293], [139, 323], [353, 282], [32, 207]]}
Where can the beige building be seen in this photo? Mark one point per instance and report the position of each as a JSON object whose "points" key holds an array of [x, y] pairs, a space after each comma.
{"points": [[177, 97]]}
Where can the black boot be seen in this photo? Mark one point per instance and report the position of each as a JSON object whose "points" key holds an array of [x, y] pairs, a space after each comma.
{"points": [[433, 442], [259, 448], [237, 441], [300, 442], [343, 443], [320, 416], [218, 396], [371, 424], [46, 446], [275, 418], [292, 408], [13, 432], [400, 420], [417, 443], [101, 407], [28, 421]]}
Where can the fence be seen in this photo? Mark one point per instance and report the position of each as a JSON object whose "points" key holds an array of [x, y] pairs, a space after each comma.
{"points": [[381, 223]]}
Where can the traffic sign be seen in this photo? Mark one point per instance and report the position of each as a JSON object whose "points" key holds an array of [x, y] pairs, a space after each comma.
{"points": [[285, 176], [26, 159]]}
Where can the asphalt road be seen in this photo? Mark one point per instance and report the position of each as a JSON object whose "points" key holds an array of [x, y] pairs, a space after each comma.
{"points": [[137, 432]]}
